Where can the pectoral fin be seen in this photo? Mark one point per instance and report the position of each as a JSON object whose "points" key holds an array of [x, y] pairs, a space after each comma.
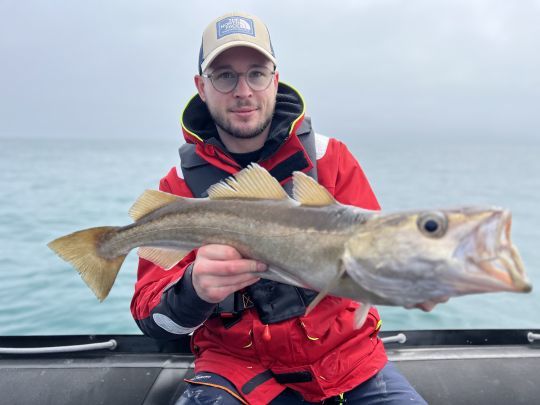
{"points": [[323, 293], [166, 258], [360, 315]]}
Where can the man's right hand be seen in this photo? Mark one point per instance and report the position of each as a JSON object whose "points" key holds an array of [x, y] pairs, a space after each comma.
{"points": [[220, 270]]}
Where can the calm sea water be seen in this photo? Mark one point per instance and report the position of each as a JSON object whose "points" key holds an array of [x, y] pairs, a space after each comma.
{"points": [[53, 187]]}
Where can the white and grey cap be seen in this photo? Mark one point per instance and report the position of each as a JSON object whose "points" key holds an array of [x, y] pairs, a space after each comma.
{"points": [[231, 30]]}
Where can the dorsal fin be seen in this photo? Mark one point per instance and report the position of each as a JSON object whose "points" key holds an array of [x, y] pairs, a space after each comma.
{"points": [[254, 182], [307, 191], [150, 201]]}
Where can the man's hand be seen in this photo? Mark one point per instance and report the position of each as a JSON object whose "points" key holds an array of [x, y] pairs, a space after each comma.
{"points": [[220, 270]]}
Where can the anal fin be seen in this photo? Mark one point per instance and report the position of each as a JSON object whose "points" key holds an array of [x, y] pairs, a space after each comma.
{"points": [[166, 258]]}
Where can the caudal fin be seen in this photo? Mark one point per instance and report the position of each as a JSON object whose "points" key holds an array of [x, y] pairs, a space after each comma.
{"points": [[81, 250]]}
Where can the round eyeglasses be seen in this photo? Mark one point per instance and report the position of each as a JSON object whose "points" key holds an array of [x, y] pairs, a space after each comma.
{"points": [[225, 80]]}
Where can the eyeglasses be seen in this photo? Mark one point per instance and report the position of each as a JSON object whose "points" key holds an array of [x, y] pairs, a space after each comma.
{"points": [[226, 80]]}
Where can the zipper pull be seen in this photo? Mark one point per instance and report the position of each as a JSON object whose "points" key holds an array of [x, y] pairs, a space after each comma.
{"points": [[267, 337], [250, 340], [306, 332]]}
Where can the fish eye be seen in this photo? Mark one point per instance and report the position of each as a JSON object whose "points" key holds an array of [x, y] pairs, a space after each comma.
{"points": [[433, 225]]}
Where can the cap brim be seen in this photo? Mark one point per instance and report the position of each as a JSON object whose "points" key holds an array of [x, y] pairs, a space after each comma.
{"points": [[216, 52]]}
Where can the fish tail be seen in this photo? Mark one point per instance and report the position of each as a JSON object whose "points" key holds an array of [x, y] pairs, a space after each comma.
{"points": [[81, 249]]}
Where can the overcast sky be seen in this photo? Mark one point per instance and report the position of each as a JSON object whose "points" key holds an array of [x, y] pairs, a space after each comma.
{"points": [[125, 68]]}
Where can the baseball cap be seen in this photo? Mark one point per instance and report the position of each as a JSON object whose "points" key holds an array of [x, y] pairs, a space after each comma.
{"points": [[231, 30]]}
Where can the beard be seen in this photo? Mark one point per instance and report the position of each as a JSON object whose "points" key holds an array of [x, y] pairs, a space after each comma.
{"points": [[236, 131]]}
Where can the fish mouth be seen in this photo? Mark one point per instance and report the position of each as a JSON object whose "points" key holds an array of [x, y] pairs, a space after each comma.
{"points": [[492, 262]]}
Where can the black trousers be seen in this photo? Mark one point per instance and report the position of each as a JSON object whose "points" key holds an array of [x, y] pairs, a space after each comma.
{"points": [[388, 387]]}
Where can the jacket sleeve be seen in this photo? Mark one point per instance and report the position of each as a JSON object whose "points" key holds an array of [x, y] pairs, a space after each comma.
{"points": [[341, 173], [165, 303], [352, 185]]}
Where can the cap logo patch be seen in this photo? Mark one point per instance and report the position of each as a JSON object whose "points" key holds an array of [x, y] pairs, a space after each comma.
{"points": [[235, 25]]}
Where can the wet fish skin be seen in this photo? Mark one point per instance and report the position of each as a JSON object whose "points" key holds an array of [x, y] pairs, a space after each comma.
{"points": [[313, 242], [265, 230], [474, 255]]}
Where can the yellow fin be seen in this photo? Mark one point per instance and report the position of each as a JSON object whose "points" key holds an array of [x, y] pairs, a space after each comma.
{"points": [[254, 182], [307, 191], [166, 258], [81, 249], [150, 201]]}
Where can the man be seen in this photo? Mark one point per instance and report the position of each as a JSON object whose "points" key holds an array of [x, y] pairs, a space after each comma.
{"points": [[251, 339]]}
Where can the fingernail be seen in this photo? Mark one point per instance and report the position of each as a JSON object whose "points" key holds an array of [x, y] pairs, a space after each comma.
{"points": [[261, 266]]}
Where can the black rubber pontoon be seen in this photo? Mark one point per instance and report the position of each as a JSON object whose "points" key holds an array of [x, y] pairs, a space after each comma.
{"points": [[446, 367]]}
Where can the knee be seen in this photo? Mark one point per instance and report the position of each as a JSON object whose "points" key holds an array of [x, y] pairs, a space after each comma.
{"points": [[209, 388]]}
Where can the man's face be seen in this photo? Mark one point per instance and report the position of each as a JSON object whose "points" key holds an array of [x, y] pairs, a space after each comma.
{"points": [[242, 113]]}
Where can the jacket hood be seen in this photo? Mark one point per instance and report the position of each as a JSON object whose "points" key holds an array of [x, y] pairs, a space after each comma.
{"points": [[198, 126]]}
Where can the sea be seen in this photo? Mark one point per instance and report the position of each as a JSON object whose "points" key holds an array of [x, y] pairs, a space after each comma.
{"points": [[50, 187]]}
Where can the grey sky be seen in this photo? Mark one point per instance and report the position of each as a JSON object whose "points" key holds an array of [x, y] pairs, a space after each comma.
{"points": [[372, 68]]}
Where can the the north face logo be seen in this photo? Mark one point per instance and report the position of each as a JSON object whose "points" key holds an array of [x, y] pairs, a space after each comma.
{"points": [[235, 25]]}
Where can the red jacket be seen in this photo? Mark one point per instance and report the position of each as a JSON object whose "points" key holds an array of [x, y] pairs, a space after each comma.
{"points": [[324, 343]]}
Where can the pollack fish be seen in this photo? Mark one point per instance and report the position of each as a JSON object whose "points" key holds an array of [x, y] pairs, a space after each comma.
{"points": [[410, 259]]}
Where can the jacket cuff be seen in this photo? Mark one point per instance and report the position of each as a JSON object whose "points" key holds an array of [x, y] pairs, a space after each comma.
{"points": [[189, 308]]}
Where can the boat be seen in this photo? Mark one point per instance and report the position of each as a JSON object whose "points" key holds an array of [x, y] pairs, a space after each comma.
{"points": [[445, 367]]}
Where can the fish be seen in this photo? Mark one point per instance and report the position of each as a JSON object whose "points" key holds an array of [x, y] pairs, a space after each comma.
{"points": [[416, 258]]}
